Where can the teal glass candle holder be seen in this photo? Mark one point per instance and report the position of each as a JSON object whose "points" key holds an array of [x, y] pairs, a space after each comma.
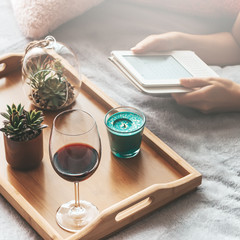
{"points": [[125, 129]]}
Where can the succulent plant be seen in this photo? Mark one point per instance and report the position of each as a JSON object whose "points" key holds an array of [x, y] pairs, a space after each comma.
{"points": [[33, 68], [53, 92], [21, 125], [50, 88]]}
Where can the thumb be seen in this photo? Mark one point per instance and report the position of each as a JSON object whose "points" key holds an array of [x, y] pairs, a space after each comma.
{"points": [[195, 82]]}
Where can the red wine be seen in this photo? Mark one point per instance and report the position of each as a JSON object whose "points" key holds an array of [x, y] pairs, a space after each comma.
{"points": [[76, 162]]}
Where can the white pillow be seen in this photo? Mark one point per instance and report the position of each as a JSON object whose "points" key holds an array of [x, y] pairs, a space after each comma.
{"points": [[36, 18]]}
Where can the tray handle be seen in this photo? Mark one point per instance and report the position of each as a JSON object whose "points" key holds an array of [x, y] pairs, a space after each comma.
{"points": [[135, 207], [9, 63]]}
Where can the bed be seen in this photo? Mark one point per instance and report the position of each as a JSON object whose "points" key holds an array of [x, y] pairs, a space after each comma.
{"points": [[210, 143]]}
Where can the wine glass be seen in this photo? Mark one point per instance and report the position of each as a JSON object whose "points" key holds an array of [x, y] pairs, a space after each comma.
{"points": [[75, 152]]}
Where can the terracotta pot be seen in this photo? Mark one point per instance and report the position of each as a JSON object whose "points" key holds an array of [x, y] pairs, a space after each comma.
{"points": [[24, 155]]}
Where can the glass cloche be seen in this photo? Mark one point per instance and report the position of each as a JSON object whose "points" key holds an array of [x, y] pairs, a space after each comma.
{"points": [[51, 74]]}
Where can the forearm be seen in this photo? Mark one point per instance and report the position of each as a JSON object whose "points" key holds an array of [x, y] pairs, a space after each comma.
{"points": [[215, 49]]}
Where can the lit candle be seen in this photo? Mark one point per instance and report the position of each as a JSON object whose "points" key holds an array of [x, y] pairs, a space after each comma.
{"points": [[125, 128]]}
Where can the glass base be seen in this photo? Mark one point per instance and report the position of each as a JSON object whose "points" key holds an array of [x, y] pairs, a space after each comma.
{"points": [[73, 218], [126, 154]]}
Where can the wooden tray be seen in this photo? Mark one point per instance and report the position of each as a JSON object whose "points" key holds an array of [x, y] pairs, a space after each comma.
{"points": [[123, 190]]}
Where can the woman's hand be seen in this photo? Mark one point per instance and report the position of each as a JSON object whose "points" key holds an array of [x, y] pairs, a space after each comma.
{"points": [[215, 49], [160, 43], [210, 95]]}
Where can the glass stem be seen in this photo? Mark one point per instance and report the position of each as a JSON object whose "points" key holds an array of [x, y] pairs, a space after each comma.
{"points": [[76, 190]]}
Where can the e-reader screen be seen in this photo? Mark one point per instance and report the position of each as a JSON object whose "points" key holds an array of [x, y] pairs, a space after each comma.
{"points": [[155, 67]]}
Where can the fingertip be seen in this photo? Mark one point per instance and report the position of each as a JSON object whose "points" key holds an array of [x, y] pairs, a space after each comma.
{"points": [[189, 82], [184, 81], [136, 49], [194, 82]]}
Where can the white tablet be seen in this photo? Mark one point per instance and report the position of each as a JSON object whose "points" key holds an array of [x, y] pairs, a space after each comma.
{"points": [[160, 72]]}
